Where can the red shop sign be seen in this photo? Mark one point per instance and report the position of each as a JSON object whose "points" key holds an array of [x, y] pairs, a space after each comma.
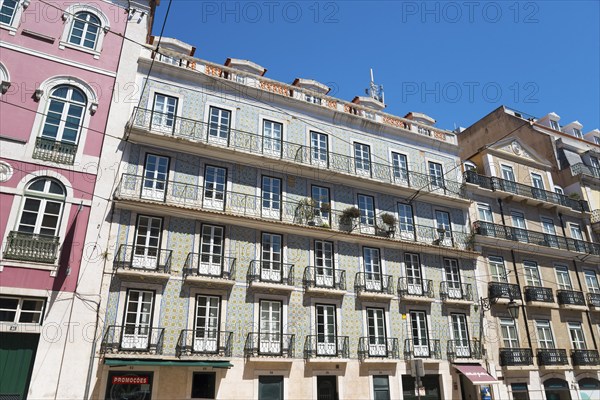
{"points": [[130, 380]]}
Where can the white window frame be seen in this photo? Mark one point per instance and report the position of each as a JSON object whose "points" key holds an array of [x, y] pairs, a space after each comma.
{"points": [[595, 288], [496, 262], [206, 118], [19, 310], [126, 286], [555, 125], [318, 161], [544, 324], [69, 16], [509, 323], [564, 271], [16, 19], [261, 126], [531, 265], [576, 344], [485, 207]]}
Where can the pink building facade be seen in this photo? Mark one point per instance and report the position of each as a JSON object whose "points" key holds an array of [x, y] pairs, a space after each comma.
{"points": [[58, 71]]}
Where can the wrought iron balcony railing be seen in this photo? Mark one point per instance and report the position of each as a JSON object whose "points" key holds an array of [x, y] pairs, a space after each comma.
{"points": [[200, 342], [539, 238], [210, 266], [503, 290], [456, 291], [537, 293], [513, 357], [141, 258], [271, 272], [570, 297], [223, 136], [585, 357], [415, 287], [324, 278], [583, 169], [133, 338], [594, 299], [326, 346], [54, 151], [465, 349], [552, 357], [25, 246], [374, 283], [269, 345], [378, 347], [422, 348], [495, 183]]}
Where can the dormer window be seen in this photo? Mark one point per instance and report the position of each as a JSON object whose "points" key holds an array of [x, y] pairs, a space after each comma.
{"points": [[577, 133], [554, 125], [597, 140], [313, 99]]}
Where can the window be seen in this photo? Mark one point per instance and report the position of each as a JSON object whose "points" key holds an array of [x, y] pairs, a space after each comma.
{"points": [[444, 228], [8, 10], [324, 266], [156, 172], [509, 333], [211, 251], [420, 338], [326, 330], [576, 232], [64, 116], [558, 190], [595, 166], [318, 148], [271, 258], [42, 208], [147, 242], [485, 212], [400, 164], [520, 229], [537, 181], [508, 173], [414, 281], [322, 202], [436, 175], [376, 332], [215, 181], [577, 133], [312, 99], [270, 340], [460, 335], [381, 387], [203, 385], [164, 110], [21, 310], [562, 278], [271, 197], [272, 136], [550, 238], [544, 333], [554, 125], [591, 280], [597, 140], [372, 264], [470, 166], [452, 274], [532, 274], [366, 205], [206, 325], [137, 320], [576, 335], [218, 125], [362, 159], [406, 221], [85, 29], [497, 269], [270, 387]]}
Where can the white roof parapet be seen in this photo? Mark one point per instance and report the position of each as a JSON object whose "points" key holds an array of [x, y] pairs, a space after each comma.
{"points": [[312, 85], [246, 66]]}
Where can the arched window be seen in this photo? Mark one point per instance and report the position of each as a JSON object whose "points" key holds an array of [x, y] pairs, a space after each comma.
{"points": [[84, 30], [8, 10], [65, 114]]}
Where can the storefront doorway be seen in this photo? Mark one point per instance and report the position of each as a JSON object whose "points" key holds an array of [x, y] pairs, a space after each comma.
{"points": [[430, 382], [557, 389]]}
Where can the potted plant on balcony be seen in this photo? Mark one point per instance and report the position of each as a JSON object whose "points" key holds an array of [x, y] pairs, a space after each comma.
{"points": [[305, 211], [325, 207], [349, 215], [389, 221]]}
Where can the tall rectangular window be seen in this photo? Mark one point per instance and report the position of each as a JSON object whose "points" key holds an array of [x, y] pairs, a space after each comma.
{"points": [[366, 205], [497, 269], [591, 280], [271, 197], [372, 265], [509, 333], [562, 278], [324, 266], [544, 333], [376, 331], [203, 385], [219, 123], [420, 337], [400, 164], [156, 172], [319, 151], [215, 181], [406, 221], [272, 137], [436, 175], [163, 113], [362, 159], [8, 11], [381, 387], [147, 242], [485, 212], [211, 250], [532, 274], [137, 319], [206, 328], [326, 330], [322, 202], [576, 335], [270, 327], [271, 258], [270, 387]]}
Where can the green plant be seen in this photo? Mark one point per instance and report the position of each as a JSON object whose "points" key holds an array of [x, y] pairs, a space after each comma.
{"points": [[388, 219], [351, 213], [305, 210], [325, 207], [325, 225]]}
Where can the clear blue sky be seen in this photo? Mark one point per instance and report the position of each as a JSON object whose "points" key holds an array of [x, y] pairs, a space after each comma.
{"points": [[453, 60]]}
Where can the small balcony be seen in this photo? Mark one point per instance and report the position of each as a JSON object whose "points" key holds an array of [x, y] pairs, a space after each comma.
{"points": [[324, 347], [422, 348], [583, 170], [415, 289], [594, 300], [132, 339], [503, 291], [552, 357], [143, 262], [272, 346], [271, 275], [54, 151], [459, 349], [23, 246], [570, 298], [374, 285], [595, 220], [511, 357], [528, 193], [454, 292], [203, 342], [584, 358], [376, 348], [539, 295], [324, 281], [209, 270]]}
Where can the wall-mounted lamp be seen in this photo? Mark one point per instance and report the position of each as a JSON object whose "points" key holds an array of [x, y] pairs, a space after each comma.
{"points": [[106, 29], [26, 3], [4, 87], [37, 95], [65, 16], [93, 108]]}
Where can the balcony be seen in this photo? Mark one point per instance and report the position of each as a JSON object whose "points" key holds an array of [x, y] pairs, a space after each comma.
{"points": [[594, 300], [269, 346], [132, 339], [460, 350], [503, 291], [454, 292], [511, 357], [552, 357], [324, 281], [209, 270], [142, 262], [583, 170], [374, 348], [426, 348], [595, 220], [415, 289], [583, 358], [326, 347], [23, 246], [374, 285], [202, 342], [199, 135], [539, 295], [570, 298], [54, 151], [529, 193], [271, 275], [496, 231]]}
